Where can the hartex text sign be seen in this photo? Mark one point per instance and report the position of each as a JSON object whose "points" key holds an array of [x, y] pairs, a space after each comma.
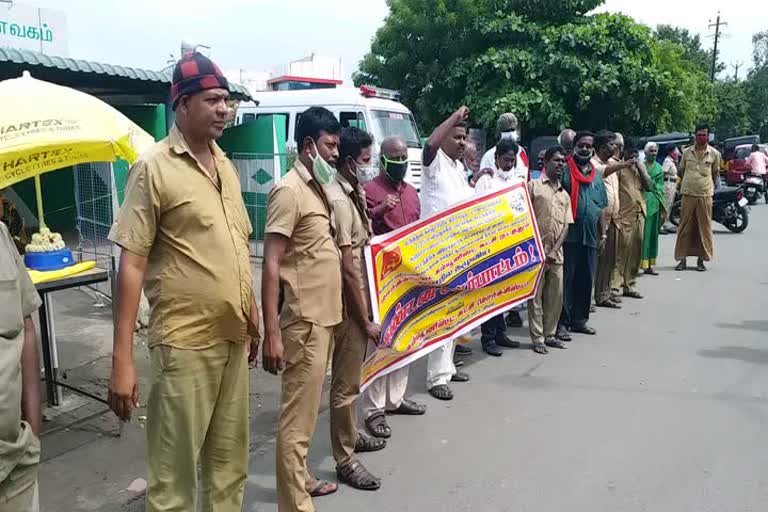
{"points": [[31, 28]]}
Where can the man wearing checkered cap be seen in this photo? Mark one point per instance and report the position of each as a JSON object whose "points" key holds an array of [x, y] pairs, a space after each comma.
{"points": [[184, 233]]}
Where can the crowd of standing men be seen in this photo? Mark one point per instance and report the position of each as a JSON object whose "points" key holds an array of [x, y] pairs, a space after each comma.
{"points": [[184, 234]]}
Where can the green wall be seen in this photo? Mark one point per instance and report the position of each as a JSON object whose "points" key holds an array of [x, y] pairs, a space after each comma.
{"points": [[258, 150]]}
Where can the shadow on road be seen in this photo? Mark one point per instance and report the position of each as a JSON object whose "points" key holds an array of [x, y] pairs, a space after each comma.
{"points": [[746, 325], [746, 354]]}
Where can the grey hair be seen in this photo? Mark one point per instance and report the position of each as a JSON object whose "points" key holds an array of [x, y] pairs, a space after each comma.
{"points": [[650, 146], [619, 138]]}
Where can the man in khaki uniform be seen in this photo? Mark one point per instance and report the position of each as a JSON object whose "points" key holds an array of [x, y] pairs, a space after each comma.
{"points": [[353, 230], [552, 209], [700, 173], [608, 166], [633, 183], [184, 233], [20, 417], [302, 300]]}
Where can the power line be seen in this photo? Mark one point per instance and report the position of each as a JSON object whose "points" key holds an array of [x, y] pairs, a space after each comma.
{"points": [[717, 24]]}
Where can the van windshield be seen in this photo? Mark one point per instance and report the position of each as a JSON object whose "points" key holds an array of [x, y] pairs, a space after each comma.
{"points": [[397, 123]]}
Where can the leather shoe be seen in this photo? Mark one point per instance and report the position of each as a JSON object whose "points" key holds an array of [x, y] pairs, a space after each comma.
{"points": [[503, 341], [492, 350]]}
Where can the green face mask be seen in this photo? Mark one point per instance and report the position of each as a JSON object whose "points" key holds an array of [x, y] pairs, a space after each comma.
{"points": [[325, 173]]}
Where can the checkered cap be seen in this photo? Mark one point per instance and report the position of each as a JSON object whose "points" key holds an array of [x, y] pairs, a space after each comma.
{"points": [[194, 73]]}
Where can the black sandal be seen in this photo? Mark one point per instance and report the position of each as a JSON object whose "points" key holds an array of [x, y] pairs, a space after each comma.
{"points": [[460, 377], [562, 334], [700, 267], [410, 408], [540, 348], [555, 343], [681, 266], [377, 426], [441, 392], [366, 443], [608, 304], [356, 475]]}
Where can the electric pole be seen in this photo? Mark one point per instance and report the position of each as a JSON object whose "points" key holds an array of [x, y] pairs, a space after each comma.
{"points": [[736, 66], [717, 24]]}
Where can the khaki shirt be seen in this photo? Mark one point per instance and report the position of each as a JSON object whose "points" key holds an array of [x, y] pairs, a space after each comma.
{"points": [[19, 447], [310, 272], [552, 208], [194, 233], [611, 188], [631, 198], [353, 226], [697, 170]]}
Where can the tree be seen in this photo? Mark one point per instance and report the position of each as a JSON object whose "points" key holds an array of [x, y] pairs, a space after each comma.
{"points": [[691, 44], [546, 60], [757, 86], [733, 109]]}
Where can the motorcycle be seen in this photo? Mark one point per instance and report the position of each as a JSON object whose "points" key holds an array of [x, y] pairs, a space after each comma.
{"points": [[754, 186], [729, 208]]}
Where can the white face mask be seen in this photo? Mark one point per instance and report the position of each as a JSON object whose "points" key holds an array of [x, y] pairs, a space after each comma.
{"points": [[509, 135]]}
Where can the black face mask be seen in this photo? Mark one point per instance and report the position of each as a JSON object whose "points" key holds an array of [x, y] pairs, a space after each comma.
{"points": [[582, 158], [395, 170]]}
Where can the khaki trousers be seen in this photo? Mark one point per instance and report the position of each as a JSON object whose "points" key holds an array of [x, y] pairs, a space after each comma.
{"points": [[307, 348], [19, 492], [544, 309], [197, 413], [348, 354], [606, 263], [630, 251]]}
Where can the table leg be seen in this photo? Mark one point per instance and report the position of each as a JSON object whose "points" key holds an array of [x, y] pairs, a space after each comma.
{"points": [[45, 341]]}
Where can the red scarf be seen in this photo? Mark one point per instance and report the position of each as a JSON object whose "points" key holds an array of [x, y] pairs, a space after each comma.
{"points": [[577, 178]]}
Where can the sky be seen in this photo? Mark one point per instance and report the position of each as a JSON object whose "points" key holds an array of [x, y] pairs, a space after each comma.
{"points": [[265, 34]]}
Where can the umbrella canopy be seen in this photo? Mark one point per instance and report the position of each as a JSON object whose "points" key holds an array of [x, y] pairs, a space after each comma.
{"points": [[45, 127]]}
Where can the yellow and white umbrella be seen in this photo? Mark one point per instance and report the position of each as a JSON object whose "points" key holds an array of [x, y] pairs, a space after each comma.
{"points": [[45, 127]]}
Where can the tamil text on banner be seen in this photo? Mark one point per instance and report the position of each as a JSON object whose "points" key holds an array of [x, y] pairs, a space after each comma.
{"points": [[440, 277]]}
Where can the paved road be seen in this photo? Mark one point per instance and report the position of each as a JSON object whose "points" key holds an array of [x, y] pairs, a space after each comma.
{"points": [[665, 410]]}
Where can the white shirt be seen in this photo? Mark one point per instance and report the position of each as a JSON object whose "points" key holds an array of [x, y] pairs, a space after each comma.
{"points": [[498, 181], [443, 184], [489, 162]]}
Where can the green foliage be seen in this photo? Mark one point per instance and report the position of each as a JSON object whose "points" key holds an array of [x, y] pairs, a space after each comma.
{"points": [[691, 44], [546, 60], [732, 117]]}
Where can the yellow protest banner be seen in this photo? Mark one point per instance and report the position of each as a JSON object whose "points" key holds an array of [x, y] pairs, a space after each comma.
{"points": [[440, 277]]}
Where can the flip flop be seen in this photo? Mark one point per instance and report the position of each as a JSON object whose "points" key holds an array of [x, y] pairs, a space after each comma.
{"points": [[540, 348], [322, 488], [608, 304]]}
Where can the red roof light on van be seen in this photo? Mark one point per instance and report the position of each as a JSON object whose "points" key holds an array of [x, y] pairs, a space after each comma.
{"points": [[370, 91]]}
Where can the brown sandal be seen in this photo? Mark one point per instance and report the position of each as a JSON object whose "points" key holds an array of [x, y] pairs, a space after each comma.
{"points": [[356, 475]]}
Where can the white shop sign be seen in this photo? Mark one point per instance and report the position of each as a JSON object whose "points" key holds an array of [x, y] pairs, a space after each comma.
{"points": [[33, 28]]}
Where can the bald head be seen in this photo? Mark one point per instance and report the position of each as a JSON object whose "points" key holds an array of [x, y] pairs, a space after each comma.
{"points": [[566, 140], [394, 148]]}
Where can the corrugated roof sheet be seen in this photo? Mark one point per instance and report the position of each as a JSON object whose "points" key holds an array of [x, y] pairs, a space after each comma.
{"points": [[19, 56]]}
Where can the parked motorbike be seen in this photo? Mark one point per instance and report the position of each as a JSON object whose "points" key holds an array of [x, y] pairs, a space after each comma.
{"points": [[754, 187], [729, 208]]}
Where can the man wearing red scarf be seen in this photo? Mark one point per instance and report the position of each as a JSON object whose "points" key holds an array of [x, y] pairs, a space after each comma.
{"points": [[588, 199]]}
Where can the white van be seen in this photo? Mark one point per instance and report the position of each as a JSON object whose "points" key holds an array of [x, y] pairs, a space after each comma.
{"points": [[372, 109]]}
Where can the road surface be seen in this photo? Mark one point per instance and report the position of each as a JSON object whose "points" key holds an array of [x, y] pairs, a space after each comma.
{"points": [[665, 410]]}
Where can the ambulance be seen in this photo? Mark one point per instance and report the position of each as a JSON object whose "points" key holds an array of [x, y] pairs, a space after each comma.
{"points": [[375, 110]]}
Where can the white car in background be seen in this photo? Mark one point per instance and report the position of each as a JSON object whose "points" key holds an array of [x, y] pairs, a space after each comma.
{"points": [[375, 110]]}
